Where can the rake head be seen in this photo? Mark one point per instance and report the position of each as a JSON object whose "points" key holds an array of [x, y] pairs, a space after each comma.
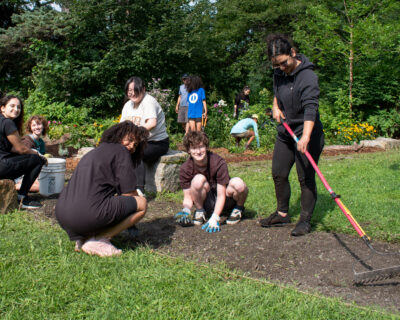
{"points": [[376, 275]]}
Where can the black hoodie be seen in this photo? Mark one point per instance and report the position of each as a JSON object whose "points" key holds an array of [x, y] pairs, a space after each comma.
{"points": [[297, 95]]}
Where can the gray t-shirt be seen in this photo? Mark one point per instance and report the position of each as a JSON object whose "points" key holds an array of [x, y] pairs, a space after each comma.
{"points": [[148, 108], [184, 94]]}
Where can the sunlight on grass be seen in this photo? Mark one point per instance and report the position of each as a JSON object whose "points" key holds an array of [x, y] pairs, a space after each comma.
{"points": [[369, 185], [43, 278]]}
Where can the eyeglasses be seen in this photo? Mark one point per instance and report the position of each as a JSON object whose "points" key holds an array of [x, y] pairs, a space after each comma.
{"points": [[282, 64], [199, 148]]}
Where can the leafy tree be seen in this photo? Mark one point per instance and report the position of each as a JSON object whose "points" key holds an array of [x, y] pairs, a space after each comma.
{"points": [[355, 44]]}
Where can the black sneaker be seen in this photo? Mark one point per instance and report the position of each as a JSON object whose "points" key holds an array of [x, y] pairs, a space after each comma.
{"points": [[274, 220], [29, 203], [302, 228]]}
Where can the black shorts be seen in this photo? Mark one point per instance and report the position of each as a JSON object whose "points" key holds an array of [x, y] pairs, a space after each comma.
{"points": [[211, 199], [195, 119], [84, 225]]}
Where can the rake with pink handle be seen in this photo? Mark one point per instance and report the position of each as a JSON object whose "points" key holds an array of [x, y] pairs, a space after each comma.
{"points": [[359, 277]]}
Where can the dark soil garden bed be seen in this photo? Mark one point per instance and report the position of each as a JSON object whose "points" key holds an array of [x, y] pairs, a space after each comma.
{"points": [[318, 263]]}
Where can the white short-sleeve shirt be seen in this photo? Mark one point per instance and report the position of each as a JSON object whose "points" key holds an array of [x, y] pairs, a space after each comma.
{"points": [[148, 108]]}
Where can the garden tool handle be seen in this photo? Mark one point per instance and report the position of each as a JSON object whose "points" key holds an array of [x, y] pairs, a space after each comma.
{"points": [[334, 196], [204, 121]]}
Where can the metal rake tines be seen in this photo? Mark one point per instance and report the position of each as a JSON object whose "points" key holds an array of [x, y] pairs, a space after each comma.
{"points": [[376, 275]]}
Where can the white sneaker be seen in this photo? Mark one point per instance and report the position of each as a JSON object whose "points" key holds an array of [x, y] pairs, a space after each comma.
{"points": [[235, 217], [140, 193], [199, 217]]}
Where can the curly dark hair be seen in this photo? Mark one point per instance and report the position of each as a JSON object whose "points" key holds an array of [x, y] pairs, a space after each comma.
{"points": [[194, 83], [39, 119], [19, 122], [194, 139], [118, 132]]}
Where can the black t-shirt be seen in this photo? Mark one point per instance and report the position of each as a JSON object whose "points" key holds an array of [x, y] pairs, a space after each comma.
{"points": [[241, 98], [7, 127], [100, 174]]}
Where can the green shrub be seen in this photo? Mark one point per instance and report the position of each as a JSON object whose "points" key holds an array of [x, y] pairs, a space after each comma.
{"points": [[39, 103], [386, 122]]}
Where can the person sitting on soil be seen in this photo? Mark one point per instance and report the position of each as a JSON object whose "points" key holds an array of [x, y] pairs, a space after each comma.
{"points": [[101, 200], [144, 110], [36, 127], [197, 109], [205, 181], [16, 159], [241, 130]]}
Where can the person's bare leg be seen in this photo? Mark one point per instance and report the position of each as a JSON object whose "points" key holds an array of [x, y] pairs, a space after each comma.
{"points": [[237, 190], [187, 127], [192, 125], [237, 141], [127, 222], [198, 126], [34, 187], [198, 189], [252, 136]]}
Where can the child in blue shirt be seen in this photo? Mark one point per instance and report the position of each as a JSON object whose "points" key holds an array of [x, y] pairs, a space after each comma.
{"points": [[197, 103]]}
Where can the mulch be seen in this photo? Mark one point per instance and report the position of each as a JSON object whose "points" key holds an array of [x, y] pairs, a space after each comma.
{"points": [[318, 263]]}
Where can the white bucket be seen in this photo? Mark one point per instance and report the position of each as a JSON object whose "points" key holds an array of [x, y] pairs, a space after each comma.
{"points": [[52, 177]]}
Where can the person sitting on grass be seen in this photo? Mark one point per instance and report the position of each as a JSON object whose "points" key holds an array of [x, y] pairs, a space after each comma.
{"points": [[16, 159], [205, 181], [36, 127], [241, 130], [101, 199]]}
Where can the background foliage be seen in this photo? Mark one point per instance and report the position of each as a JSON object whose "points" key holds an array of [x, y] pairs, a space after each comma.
{"points": [[70, 59]]}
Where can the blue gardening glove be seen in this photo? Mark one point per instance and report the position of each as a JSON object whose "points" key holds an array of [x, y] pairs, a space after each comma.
{"points": [[212, 225], [183, 217]]}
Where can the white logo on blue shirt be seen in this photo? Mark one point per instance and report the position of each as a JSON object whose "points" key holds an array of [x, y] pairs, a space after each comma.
{"points": [[193, 98]]}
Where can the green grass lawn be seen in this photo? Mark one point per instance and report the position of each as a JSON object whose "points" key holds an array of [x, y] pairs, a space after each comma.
{"points": [[41, 277], [369, 185]]}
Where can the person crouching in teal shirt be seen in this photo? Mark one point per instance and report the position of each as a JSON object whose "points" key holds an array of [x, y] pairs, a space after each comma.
{"points": [[241, 130]]}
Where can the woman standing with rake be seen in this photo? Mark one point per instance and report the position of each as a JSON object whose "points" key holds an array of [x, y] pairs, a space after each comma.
{"points": [[296, 94]]}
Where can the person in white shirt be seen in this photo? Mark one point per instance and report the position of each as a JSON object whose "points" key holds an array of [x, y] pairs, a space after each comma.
{"points": [[144, 110]]}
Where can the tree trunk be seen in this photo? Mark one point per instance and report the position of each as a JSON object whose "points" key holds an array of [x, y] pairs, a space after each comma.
{"points": [[351, 59]]}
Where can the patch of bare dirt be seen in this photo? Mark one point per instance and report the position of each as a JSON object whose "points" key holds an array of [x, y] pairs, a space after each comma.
{"points": [[319, 262]]}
